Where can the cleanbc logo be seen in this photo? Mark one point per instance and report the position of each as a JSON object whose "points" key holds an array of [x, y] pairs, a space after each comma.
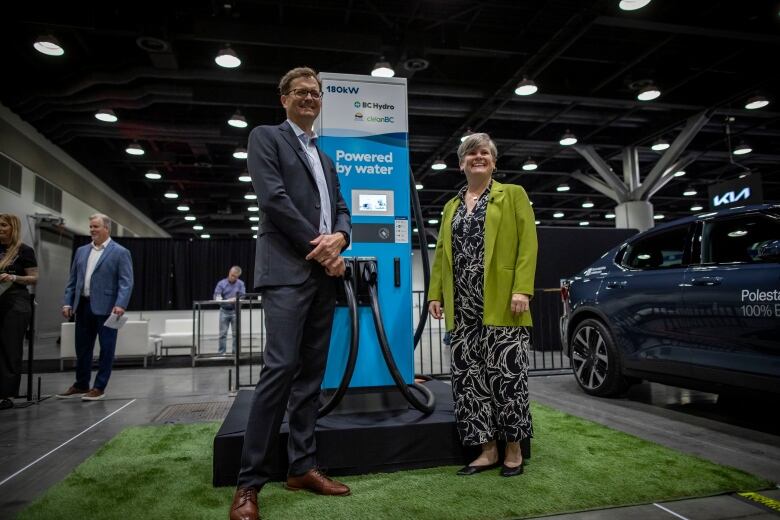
{"points": [[340, 89]]}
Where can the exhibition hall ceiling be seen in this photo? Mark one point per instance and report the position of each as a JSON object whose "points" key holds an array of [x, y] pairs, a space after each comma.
{"points": [[153, 65]]}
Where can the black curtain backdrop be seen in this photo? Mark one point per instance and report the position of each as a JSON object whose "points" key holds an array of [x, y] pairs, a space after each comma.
{"points": [[172, 272]]}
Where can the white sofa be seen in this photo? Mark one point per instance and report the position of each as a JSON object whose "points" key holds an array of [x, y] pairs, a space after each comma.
{"points": [[177, 334], [132, 341]]}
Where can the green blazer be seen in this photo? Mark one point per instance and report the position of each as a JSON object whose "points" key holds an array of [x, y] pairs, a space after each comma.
{"points": [[510, 257]]}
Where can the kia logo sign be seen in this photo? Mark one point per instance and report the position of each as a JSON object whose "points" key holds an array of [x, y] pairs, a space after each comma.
{"points": [[739, 192]]}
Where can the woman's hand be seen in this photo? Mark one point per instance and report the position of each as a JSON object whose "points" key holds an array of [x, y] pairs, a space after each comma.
{"points": [[520, 303], [434, 309]]}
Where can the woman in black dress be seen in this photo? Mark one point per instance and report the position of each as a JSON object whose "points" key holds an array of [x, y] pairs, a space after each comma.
{"points": [[18, 269]]}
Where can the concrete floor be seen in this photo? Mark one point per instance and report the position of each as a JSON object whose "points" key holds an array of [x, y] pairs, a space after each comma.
{"points": [[41, 444]]}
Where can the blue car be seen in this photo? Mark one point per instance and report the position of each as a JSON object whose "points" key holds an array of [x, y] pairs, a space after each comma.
{"points": [[692, 303]]}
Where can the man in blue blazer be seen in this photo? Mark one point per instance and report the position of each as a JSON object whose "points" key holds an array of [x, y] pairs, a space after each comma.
{"points": [[100, 284], [304, 226]]}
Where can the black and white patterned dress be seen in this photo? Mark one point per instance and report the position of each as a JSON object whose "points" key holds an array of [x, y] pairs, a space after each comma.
{"points": [[489, 363]]}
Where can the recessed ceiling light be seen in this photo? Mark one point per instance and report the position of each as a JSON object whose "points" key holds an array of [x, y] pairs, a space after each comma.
{"points": [[197, 227], [189, 218], [153, 175], [632, 5], [648, 93], [245, 177], [253, 208], [254, 236], [238, 120], [659, 216], [250, 196], [696, 207], [756, 102], [383, 69], [205, 235], [418, 186], [240, 153], [660, 145], [255, 228], [558, 214], [227, 58], [584, 223], [526, 87], [106, 115], [170, 194], [438, 165], [609, 215], [433, 221], [183, 207], [466, 135], [537, 222], [690, 191], [742, 148], [587, 204], [679, 173], [414, 230], [48, 45], [562, 187], [530, 165], [134, 149], [254, 218], [568, 138]]}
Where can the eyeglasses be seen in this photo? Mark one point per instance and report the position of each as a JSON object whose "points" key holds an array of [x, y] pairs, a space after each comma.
{"points": [[302, 93]]}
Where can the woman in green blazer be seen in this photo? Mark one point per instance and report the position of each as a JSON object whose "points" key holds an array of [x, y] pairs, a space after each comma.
{"points": [[482, 281]]}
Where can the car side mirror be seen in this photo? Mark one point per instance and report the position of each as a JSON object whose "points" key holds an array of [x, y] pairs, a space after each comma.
{"points": [[769, 251]]}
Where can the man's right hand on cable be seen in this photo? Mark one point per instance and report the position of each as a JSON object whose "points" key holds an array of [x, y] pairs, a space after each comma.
{"points": [[335, 267]]}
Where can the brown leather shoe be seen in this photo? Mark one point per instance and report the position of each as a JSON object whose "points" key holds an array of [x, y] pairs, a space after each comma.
{"points": [[317, 482], [244, 505], [71, 392], [95, 394]]}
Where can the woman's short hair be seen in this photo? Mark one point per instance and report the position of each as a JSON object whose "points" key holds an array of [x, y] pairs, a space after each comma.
{"points": [[475, 141], [291, 75]]}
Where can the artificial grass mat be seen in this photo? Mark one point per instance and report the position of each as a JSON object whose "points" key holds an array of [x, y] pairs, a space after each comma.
{"points": [[165, 472]]}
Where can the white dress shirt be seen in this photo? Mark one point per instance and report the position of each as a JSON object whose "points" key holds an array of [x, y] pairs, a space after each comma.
{"points": [[94, 255], [309, 146]]}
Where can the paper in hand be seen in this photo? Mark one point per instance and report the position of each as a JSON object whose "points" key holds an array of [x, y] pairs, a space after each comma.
{"points": [[115, 321]]}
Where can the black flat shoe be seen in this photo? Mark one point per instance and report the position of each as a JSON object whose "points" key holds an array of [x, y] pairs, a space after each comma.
{"points": [[473, 470], [507, 471]]}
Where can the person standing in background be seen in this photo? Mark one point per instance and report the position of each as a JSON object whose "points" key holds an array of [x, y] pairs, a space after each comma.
{"points": [[230, 288]]}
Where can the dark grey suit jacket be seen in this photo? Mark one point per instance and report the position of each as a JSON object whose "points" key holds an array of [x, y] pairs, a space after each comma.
{"points": [[289, 205]]}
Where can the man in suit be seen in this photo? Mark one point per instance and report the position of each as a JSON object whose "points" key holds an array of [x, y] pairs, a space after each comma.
{"points": [[304, 226], [100, 284]]}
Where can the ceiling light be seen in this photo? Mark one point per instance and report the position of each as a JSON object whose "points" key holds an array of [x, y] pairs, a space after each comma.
{"points": [[659, 216], [587, 204], [537, 222], [414, 230], [756, 102], [558, 214], [250, 196], [183, 207], [530, 165], [254, 236], [205, 235], [584, 223], [383, 69], [568, 138], [189, 218], [526, 87], [438, 165], [690, 191], [255, 228], [134, 149], [237, 120], [170, 194], [679, 173], [696, 207], [197, 227], [742, 148], [632, 5], [244, 177], [660, 145], [106, 115], [253, 208], [431, 246], [466, 135], [418, 186], [563, 187], [254, 218], [240, 153], [227, 58], [648, 93], [609, 215], [433, 221], [48, 45], [153, 175]]}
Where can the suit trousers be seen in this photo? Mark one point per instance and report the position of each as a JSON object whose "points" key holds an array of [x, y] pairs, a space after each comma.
{"points": [[15, 312], [298, 322], [88, 327]]}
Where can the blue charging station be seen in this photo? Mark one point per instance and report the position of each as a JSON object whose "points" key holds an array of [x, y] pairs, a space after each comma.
{"points": [[363, 127]]}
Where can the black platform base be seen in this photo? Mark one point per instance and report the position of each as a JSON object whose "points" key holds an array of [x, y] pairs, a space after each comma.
{"points": [[357, 443]]}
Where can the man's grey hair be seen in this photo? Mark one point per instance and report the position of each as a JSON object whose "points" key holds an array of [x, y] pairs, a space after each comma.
{"points": [[236, 269], [104, 218], [473, 142]]}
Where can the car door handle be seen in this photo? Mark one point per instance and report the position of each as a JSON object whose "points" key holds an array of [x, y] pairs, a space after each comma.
{"points": [[616, 284], [707, 281]]}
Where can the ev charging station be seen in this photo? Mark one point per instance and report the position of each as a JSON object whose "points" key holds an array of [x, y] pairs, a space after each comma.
{"points": [[363, 127]]}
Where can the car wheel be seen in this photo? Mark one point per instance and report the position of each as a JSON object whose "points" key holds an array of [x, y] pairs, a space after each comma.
{"points": [[595, 360]]}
